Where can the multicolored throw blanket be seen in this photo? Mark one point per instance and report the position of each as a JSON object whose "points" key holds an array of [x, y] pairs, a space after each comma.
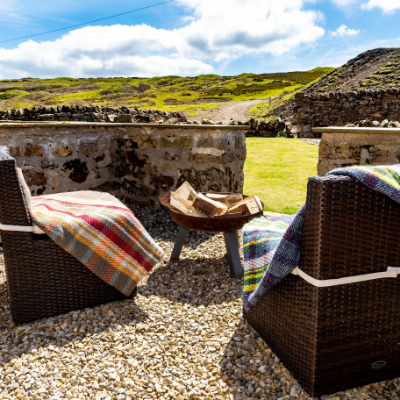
{"points": [[272, 246], [100, 232]]}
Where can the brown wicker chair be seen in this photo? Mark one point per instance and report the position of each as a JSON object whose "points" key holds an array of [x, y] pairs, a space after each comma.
{"points": [[345, 336], [43, 280]]}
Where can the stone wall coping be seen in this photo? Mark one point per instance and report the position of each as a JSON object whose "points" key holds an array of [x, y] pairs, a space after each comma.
{"points": [[355, 130], [6, 124]]}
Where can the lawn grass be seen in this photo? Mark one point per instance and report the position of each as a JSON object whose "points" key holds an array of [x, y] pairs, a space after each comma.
{"points": [[277, 171]]}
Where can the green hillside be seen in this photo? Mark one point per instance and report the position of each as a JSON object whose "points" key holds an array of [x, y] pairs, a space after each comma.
{"points": [[169, 93], [275, 107]]}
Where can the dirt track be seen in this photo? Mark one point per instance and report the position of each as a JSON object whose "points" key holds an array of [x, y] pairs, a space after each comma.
{"points": [[238, 110]]}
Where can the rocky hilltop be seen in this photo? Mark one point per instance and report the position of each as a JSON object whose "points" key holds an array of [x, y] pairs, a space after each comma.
{"points": [[374, 73], [378, 68]]}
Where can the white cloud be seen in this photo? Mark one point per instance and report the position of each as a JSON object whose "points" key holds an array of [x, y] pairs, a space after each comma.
{"points": [[219, 31], [387, 6], [343, 30], [345, 3]]}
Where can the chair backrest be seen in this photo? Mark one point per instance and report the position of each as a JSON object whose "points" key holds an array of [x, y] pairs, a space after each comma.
{"points": [[349, 229], [13, 205]]}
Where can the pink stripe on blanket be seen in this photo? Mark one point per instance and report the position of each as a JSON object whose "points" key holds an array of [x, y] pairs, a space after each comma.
{"points": [[98, 225], [37, 204]]}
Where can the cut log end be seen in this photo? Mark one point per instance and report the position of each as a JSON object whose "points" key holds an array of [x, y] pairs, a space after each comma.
{"points": [[180, 204], [186, 191], [210, 207], [249, 205]]}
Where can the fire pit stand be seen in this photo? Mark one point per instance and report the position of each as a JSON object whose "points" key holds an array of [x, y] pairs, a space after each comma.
{"points": [[232, 249], [227, 224]]}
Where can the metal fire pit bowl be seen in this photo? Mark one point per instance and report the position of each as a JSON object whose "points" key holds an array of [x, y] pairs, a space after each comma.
{"points": [[225, 223]]}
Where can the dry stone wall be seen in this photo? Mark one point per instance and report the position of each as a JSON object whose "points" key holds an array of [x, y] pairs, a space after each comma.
{"points": [[269, 128], [135, 162], [345, 147], [91, 114], [339, 109]]}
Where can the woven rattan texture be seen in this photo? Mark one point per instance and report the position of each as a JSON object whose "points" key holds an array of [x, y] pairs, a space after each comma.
{"points": [[43, 279], [13, 210], [349, 229], [330, 337]]}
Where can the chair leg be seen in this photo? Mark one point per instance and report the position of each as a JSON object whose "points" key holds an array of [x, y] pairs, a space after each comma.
{"points": [[232, 248], [180, 240]]}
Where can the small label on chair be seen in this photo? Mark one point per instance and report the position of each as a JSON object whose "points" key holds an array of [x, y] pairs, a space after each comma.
{"points": [[379, 364]]}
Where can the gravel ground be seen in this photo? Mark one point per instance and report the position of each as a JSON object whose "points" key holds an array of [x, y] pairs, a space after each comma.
{"points": [[182, 338]]}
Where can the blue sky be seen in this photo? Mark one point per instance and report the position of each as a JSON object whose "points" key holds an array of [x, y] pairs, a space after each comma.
{"points": [[190, 37]]}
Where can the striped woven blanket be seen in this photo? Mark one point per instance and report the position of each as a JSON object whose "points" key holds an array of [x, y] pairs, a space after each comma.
{"points": [[103, 234], [272, 246]]}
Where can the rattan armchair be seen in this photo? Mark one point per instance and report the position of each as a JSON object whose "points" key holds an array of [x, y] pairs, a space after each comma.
{"points": [[339, 337], [43, 279]]}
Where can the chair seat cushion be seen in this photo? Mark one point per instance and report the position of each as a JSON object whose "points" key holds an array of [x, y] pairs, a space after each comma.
{"points": [[99, 231]]}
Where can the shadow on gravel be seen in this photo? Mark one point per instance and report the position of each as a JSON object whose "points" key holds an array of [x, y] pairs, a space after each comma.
{"points": [[194, 282], [48, 336]]}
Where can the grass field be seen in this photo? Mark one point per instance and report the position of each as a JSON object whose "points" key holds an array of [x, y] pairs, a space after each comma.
{"points": [[168, 93], [277, 171]]}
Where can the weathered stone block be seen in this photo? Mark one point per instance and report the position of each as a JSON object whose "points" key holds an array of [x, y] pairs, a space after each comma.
{"points": [[66, 115], [125, 118], [381, 160], [33, 177], [77, 117], [240, 142], [205, 158], [87, 149], [15, 151], [143, 118], [334, 151], [47, 164], [142, 142], [62, 150], [171, 156], [179, 142], [211, 179], [78, 170], [45, 117], [214, 143], [136, 160], [33, 150], [166, 182]]}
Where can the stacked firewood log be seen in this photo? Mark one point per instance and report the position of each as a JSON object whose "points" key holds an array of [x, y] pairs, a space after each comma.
{"points": [[187, 201]]}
